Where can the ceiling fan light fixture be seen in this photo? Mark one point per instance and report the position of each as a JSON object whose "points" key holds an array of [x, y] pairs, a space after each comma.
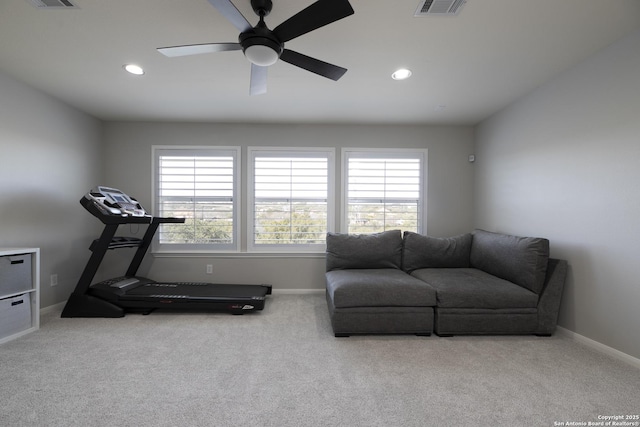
{"points": [[260, 47], [261, 55]]}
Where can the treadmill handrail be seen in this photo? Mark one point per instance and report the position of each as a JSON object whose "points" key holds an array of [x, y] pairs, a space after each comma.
{"points": [[100, 246]]}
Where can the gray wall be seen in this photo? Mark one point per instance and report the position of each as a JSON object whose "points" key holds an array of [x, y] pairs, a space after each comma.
{"points": [[49, 154], [564, 163], [128, 167]]}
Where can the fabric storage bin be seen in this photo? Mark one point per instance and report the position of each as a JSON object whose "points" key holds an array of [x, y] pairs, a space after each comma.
{"points": [[15, 314], [15, 274]]}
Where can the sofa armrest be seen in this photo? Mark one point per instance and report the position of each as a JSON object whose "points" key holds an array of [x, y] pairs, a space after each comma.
{"points": [[549, 302]]}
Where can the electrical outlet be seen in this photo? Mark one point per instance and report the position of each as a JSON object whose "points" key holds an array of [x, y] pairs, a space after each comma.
{"points": [[209, 269], [54, 280]]}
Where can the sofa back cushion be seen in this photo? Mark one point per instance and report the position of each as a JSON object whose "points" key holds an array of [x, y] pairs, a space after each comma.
{"points": [[521, 260], [434, 252], [378, 250]]}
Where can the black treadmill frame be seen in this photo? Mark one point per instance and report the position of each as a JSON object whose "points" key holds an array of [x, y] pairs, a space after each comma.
{"points": [[82, 303]]}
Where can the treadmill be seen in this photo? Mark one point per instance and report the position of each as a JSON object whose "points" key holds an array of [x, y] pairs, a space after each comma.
{"points": [[131, 293]]}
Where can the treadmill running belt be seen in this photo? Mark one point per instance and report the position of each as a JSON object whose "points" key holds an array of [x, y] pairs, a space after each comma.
{"points": [[197, 290]]}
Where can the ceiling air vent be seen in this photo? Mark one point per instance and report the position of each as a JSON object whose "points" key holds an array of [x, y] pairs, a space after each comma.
{"points": [[439, 7], [52, 4]]}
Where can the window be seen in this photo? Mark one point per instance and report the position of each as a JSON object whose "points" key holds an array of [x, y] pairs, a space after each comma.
{"points": [[290, 196], [290, 199], [201, 185], [384, 190]]}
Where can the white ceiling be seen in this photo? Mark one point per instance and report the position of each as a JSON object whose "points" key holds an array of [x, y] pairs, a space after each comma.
{"points": [[474, 63]]}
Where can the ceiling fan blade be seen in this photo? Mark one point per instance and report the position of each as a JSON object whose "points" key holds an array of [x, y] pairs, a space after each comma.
{"points": [[317, 15], [321, 68], [196, 49], [229, 11], [258, 80]]}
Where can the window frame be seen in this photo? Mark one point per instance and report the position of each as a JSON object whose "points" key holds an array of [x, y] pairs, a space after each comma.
{"points": [[204, 151], [420, 154], [302, 152]]}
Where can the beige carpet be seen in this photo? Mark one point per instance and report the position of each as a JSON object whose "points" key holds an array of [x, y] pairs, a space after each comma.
{"points": [[283, 367]]}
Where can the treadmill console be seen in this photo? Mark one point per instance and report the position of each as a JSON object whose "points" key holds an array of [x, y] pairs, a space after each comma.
{"points": [[113, 202]]}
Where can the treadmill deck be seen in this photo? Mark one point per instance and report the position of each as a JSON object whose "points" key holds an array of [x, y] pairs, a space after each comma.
{"points": [[140, 292]]}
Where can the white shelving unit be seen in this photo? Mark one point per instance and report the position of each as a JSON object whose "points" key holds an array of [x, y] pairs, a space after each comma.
{"points": [[19, 292]]}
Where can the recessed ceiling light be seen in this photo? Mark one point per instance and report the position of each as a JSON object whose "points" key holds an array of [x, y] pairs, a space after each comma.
{"points": [[401, 74], [134, 69]]}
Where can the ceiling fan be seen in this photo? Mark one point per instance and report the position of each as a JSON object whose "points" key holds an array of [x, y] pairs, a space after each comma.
{"points": [[262, 46]]}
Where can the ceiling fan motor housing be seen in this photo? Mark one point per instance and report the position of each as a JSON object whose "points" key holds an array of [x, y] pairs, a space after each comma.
{"points": [[260, 35]]}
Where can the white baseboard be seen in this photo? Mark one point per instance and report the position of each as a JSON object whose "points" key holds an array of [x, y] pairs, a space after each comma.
{"points": [[55, 307], [297, 291], [616, 354]]}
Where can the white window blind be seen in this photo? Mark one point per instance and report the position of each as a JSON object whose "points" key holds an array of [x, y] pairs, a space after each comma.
{"points": [[199, 185], [384, 190], [290, 199]]}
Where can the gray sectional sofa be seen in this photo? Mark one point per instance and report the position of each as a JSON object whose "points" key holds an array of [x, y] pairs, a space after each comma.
{"points": [[475, 283]]}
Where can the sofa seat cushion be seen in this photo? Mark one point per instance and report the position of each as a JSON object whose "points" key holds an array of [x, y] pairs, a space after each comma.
{"points": [[473, 288], [385, 287]]}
